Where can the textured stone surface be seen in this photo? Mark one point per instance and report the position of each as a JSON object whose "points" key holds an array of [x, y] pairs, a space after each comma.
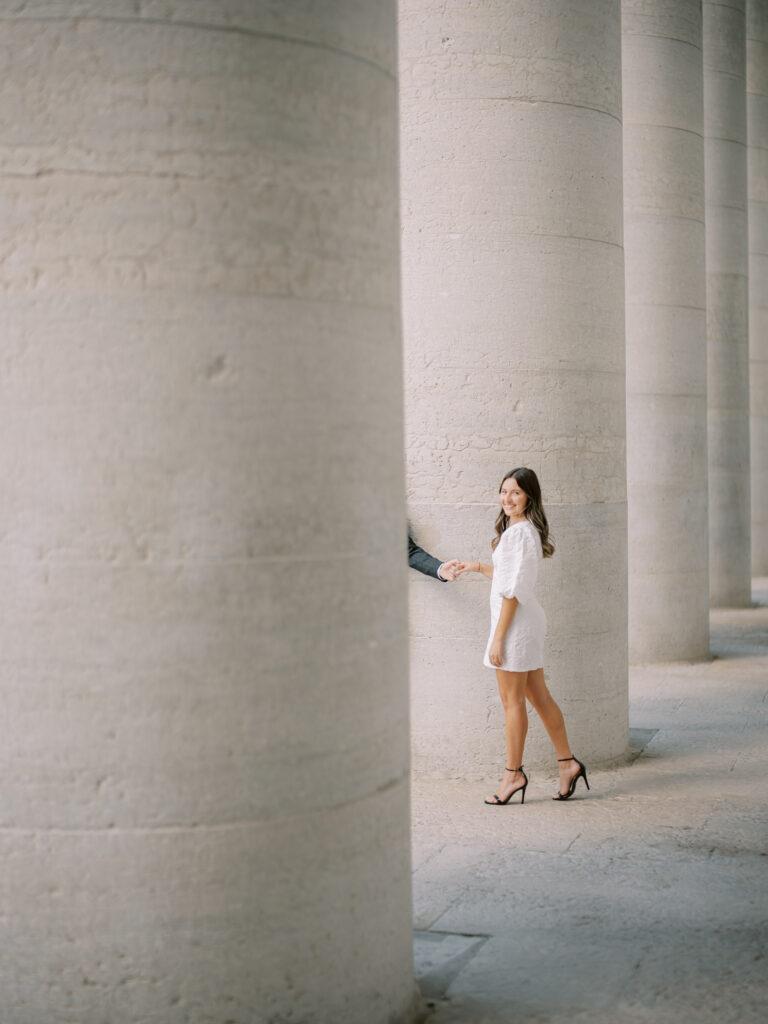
{"points": [[513, 313], [725, 152], [204, 665], [757, 133], [666, 329], [640, 902]]}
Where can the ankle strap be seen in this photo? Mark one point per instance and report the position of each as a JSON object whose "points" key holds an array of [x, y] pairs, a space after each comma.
{"points": [[514, 769], [567, 758]]}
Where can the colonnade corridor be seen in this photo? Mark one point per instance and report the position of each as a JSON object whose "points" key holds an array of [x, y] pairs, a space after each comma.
{"points": [[584, 189], [642, 902], [281, 283]]}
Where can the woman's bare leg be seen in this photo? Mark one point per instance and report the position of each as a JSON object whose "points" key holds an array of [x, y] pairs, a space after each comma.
{"points": [[548, 710], [512, 690]]}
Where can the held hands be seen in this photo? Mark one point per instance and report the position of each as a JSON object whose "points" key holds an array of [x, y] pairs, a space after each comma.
{"points": [[452, 570], [449, 570], [467, 567]]}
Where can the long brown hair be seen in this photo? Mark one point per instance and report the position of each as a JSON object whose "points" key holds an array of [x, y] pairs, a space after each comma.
{"points": [[528, 483]]}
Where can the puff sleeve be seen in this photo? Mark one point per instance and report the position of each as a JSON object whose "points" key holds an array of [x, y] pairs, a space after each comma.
{"points": [[517, 565]]}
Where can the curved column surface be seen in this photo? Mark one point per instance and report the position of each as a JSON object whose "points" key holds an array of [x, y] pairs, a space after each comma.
{"points": [[727, 261], [205, 804], [666, 330], [757, 131], [514, 340]]}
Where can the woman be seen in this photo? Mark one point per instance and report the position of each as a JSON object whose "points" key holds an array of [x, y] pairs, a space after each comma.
{"points": [[516, 643]]}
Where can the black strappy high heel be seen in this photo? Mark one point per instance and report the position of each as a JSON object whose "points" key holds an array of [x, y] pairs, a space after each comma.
{"points": [[498, 802], [581, 774]]}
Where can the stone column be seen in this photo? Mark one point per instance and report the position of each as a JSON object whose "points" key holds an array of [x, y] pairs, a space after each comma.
{"points": [[666, 330], [514, 334], [727, 259], [204, 760], [757, 131]]}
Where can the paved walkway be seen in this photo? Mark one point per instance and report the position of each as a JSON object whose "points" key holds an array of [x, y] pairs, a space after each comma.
{"points": [[642, 902]]}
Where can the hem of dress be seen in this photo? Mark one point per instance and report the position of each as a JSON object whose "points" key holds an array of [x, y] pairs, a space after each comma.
{"points": [[506, 668]]}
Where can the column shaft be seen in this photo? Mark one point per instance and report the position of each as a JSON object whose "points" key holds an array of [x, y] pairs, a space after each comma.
{"points": [[757, 132], [666, 329], [725, 157], [203, 626], [513, 311]]}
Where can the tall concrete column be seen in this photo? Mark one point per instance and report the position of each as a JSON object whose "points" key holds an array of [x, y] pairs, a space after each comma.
{"points": [[666, 329], [727, 260], [204, 675], [514, 335], [757, 132]]}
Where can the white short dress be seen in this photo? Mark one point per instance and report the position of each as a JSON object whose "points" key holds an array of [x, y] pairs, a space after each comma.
{"points": [[516, 560]]}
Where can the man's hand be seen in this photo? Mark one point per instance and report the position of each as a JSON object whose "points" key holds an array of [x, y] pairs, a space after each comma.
{"points": [[448, 570], [496, 653]]}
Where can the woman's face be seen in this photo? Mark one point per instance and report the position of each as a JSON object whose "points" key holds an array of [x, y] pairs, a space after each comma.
{"points": [[513, 499]]}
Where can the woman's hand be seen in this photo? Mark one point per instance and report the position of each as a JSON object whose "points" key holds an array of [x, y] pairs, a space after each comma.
{"points": [[463, 567], [496, 653]]}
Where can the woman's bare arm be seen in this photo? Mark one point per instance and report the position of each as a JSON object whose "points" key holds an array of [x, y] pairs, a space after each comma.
{"points": [[507, 613], [486, 570]]}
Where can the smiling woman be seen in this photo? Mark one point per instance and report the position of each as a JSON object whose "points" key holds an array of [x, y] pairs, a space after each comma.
{"points": [[515, 646]]}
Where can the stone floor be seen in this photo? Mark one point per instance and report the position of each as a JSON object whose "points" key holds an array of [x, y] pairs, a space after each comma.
{"points": [[642, 902]]}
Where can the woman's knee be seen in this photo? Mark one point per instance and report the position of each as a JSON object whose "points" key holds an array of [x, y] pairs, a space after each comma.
{"points": [[514, 701]]}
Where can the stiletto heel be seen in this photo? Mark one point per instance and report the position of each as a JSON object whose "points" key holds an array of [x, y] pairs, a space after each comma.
{"points": [[580, 774], [498, 802]]}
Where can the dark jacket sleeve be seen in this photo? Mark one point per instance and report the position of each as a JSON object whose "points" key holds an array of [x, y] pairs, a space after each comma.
{"points": [[419, 559]]}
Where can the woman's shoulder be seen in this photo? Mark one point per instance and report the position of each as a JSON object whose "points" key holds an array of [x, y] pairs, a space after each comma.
{"points": [[515, 533], [519, 528], [522, 534]]}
